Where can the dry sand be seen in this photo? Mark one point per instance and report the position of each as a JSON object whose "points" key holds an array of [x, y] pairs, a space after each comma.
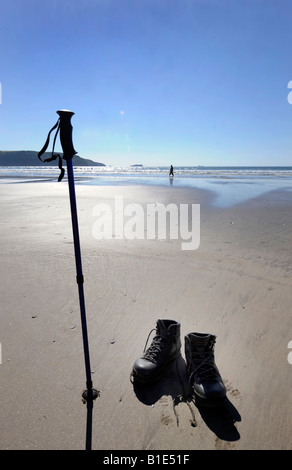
{"points": [[237, 285]]}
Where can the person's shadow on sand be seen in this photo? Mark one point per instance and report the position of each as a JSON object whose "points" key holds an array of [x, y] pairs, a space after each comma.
{"points": [[175, 383]]}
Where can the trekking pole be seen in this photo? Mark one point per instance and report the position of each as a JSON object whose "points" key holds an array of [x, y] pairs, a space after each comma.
{"points": [[68, 154], [64, 126]]}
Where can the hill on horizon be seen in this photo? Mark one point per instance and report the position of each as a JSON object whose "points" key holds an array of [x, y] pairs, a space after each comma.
{"points": [[30, 158]]}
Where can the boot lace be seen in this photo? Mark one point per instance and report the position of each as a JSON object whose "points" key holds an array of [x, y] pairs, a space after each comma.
{"points": [[205, 369], [157, 346]]}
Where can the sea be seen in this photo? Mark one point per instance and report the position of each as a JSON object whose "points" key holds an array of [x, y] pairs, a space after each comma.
{"points": [[229, 184]]}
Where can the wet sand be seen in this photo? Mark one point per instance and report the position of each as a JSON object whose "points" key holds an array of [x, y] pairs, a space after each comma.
{"points": [[236, 285]]}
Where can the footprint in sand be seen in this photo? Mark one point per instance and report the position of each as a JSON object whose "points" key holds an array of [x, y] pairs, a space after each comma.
{"points": [[166, 420], [221, 445], [234, 392]]}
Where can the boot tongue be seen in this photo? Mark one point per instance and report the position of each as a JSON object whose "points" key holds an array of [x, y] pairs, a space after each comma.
{"points": [[163, 326], [200, 341]]}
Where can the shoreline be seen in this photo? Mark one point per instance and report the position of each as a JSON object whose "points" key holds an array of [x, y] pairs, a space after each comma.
{"points": [[225, 192], [236, 285]]}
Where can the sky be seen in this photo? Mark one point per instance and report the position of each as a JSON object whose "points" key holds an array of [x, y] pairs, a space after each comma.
{"points": [[152, 82]]}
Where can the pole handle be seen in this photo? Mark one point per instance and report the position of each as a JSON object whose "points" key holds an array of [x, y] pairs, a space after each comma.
{"points": [[66, 133]]}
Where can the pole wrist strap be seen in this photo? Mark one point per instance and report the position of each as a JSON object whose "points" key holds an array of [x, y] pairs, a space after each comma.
{"points": [[54, 156]]}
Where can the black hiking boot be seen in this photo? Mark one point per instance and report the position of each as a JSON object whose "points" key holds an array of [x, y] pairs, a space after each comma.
{"points": [[204, 375], [165, 348]]}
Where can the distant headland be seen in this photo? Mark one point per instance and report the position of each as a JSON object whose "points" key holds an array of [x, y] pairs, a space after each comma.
{"points": [[30, 158]]}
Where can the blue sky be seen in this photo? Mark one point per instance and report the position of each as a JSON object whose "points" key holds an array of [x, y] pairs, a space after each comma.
{"points": [[187, 82]]}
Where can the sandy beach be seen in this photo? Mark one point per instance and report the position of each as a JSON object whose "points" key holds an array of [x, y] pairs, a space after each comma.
{"points": [[237, 285]]}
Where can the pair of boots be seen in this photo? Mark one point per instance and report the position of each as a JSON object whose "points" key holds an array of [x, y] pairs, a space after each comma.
{"points": [[204, 377]]}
